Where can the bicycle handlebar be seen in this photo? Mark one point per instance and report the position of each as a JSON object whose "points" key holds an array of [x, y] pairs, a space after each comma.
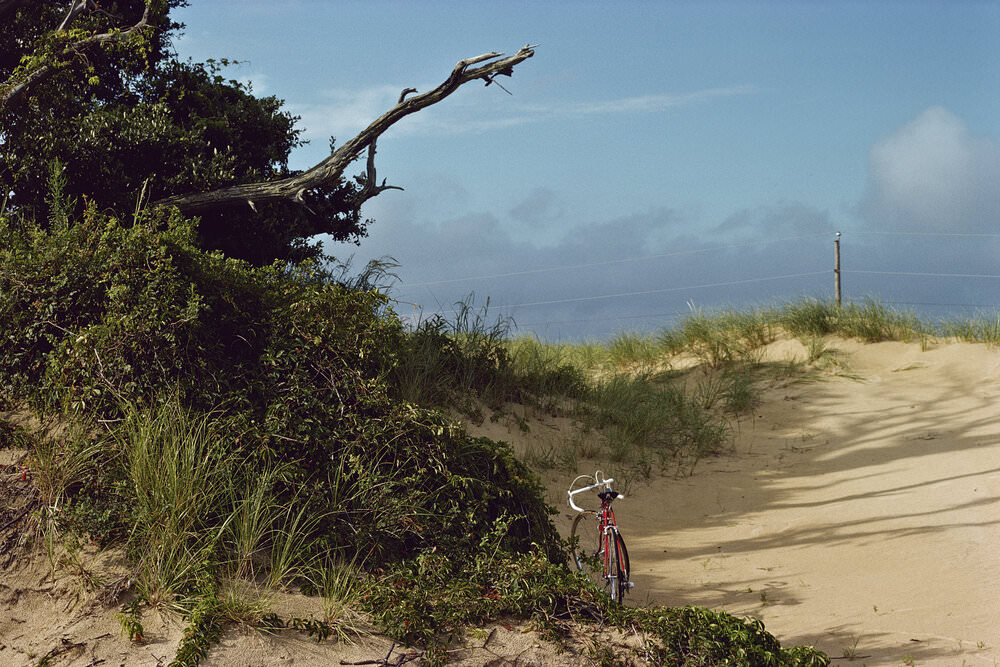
{"points": [[599, 482]]}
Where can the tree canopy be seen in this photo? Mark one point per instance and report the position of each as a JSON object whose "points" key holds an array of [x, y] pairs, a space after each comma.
{"points": [[96, 94]]}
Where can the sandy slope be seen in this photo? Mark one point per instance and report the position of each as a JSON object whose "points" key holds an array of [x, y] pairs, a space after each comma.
{"points": [[858, 514]]}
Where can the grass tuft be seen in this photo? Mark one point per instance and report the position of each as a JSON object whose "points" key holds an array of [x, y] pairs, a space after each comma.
{"points": [[179, 478], [981, 328]]}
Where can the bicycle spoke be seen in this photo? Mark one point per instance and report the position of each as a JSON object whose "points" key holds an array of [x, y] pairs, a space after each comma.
{"points": [[588, 550]]}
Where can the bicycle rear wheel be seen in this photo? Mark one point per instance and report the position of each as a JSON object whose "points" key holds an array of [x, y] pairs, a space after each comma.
{"points": [[588, 546]]}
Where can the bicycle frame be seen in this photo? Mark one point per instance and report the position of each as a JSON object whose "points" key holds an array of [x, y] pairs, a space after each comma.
{"points": [[611, 546], [608, 528]]}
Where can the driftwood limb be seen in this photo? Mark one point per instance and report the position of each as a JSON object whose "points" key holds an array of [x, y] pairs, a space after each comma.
{"points": [[17, 517], [399, 660], [328, 172]]}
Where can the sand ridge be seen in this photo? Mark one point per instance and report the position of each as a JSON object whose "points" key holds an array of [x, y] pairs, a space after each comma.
{"points": [[859, 512]]}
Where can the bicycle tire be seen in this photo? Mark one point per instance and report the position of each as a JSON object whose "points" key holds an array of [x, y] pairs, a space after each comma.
{"points": [[588, 547], [620, 568]]}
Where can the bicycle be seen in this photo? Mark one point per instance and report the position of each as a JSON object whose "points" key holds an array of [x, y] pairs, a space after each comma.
{"points": [[598, 547]]}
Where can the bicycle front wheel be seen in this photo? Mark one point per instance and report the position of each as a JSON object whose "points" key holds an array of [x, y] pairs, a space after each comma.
{"points": [[588, 546], [618, 568]]}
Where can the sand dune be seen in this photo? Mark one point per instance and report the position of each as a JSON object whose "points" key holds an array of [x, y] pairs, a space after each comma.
{"points": [[859, 513]]}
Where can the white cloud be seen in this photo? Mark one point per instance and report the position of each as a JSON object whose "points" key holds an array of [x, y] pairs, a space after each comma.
{"points": [[933, 174], [651, 103], [343, 113]]}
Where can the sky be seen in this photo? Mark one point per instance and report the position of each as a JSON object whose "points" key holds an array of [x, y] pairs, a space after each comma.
{"points": [[652, 159]]}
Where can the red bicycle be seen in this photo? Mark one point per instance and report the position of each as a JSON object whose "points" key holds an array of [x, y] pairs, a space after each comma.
{"points": [[598, 547]]}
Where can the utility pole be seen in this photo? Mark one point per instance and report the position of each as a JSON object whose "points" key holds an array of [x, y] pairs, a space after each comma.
{"points": [[836, 268]]}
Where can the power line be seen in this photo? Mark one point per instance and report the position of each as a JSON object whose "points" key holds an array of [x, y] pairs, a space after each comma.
{"points": [[647, 292], [954, 234], [656, 291], [923, 275], [942, 305], [681, 253], [617, 261], [614, 318]]}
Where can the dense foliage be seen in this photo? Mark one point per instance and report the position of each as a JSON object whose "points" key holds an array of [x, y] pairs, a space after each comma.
{"points": [[130, 121], [101, 314], [432, 600]]}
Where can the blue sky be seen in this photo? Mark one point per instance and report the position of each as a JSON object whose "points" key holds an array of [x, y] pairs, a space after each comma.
{"points": [[653, 157]]}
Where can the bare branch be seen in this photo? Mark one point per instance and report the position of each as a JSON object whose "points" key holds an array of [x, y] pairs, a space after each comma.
{"points": [[370, 188], [329, 171], [76, 7]]}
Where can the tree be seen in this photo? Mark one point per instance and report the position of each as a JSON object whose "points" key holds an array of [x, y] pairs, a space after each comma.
{"points": [[92, 90], [101, 45], [332, 168], [56, 50]]}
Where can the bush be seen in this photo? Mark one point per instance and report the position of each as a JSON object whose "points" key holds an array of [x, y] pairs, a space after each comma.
{"points": [[690, 636], [101, 315], [429, 601]]}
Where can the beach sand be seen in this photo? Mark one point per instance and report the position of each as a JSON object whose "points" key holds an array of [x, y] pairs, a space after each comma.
{"points": [[858, 512]]}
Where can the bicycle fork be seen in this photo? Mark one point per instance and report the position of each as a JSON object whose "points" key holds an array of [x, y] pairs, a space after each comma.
{"points": [[609, 541]]}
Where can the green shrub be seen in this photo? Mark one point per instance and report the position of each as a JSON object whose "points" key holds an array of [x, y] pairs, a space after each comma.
{"points": [[428, 601], [432, 598], [100, 315], [12, 436], [692, 636]]}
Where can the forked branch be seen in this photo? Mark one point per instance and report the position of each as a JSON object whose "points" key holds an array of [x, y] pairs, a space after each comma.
{"points": [[329, 172]]}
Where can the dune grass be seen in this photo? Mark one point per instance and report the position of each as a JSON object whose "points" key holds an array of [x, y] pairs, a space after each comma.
{"points": [[869, 321], [444, 363], [667, 398], [191, 507], [719, 339], [673, 397], [213, 542], [982, 328]]}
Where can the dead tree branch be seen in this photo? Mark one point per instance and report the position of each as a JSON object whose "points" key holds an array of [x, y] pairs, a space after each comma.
{"points": [[331, 170]]}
